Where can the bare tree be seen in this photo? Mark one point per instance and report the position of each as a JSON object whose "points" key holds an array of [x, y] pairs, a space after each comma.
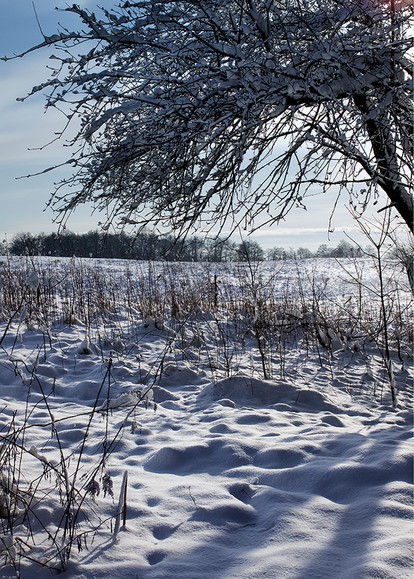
{"points": [[210, 111]]}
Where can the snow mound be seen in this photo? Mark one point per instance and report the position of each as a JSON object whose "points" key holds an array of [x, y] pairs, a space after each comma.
{"points": [[245, 391]]}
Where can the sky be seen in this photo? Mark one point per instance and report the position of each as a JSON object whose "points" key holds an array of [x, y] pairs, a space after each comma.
{"points": [[25, 129]]}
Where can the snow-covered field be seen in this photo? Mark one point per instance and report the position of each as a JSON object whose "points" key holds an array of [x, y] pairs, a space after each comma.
{"points": [[186, 421]]}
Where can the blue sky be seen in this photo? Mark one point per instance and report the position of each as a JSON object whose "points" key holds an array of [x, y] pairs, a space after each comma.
{"points": [[24, 128], [23, 125]]}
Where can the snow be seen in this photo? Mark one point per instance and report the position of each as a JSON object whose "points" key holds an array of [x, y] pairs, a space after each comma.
{"points": [[218, 472]]}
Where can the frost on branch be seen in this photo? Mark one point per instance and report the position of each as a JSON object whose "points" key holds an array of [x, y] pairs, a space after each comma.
{"points": [[227, 110]]}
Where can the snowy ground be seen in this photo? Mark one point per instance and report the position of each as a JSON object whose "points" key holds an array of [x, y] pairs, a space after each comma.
{"points": [[304, 475]]}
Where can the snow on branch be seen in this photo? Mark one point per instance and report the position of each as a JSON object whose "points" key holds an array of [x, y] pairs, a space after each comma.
{"points": [[224, 110]]}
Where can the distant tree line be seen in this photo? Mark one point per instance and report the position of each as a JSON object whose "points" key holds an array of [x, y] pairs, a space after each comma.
{"points": [[150, 246]]}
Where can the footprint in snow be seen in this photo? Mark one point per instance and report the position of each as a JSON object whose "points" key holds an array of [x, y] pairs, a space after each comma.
{"points": [[156, 557], [242, 492], [162, 532]]}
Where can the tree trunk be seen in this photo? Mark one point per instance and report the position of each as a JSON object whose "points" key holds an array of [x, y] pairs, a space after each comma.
{"points": [[388, 172]]}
